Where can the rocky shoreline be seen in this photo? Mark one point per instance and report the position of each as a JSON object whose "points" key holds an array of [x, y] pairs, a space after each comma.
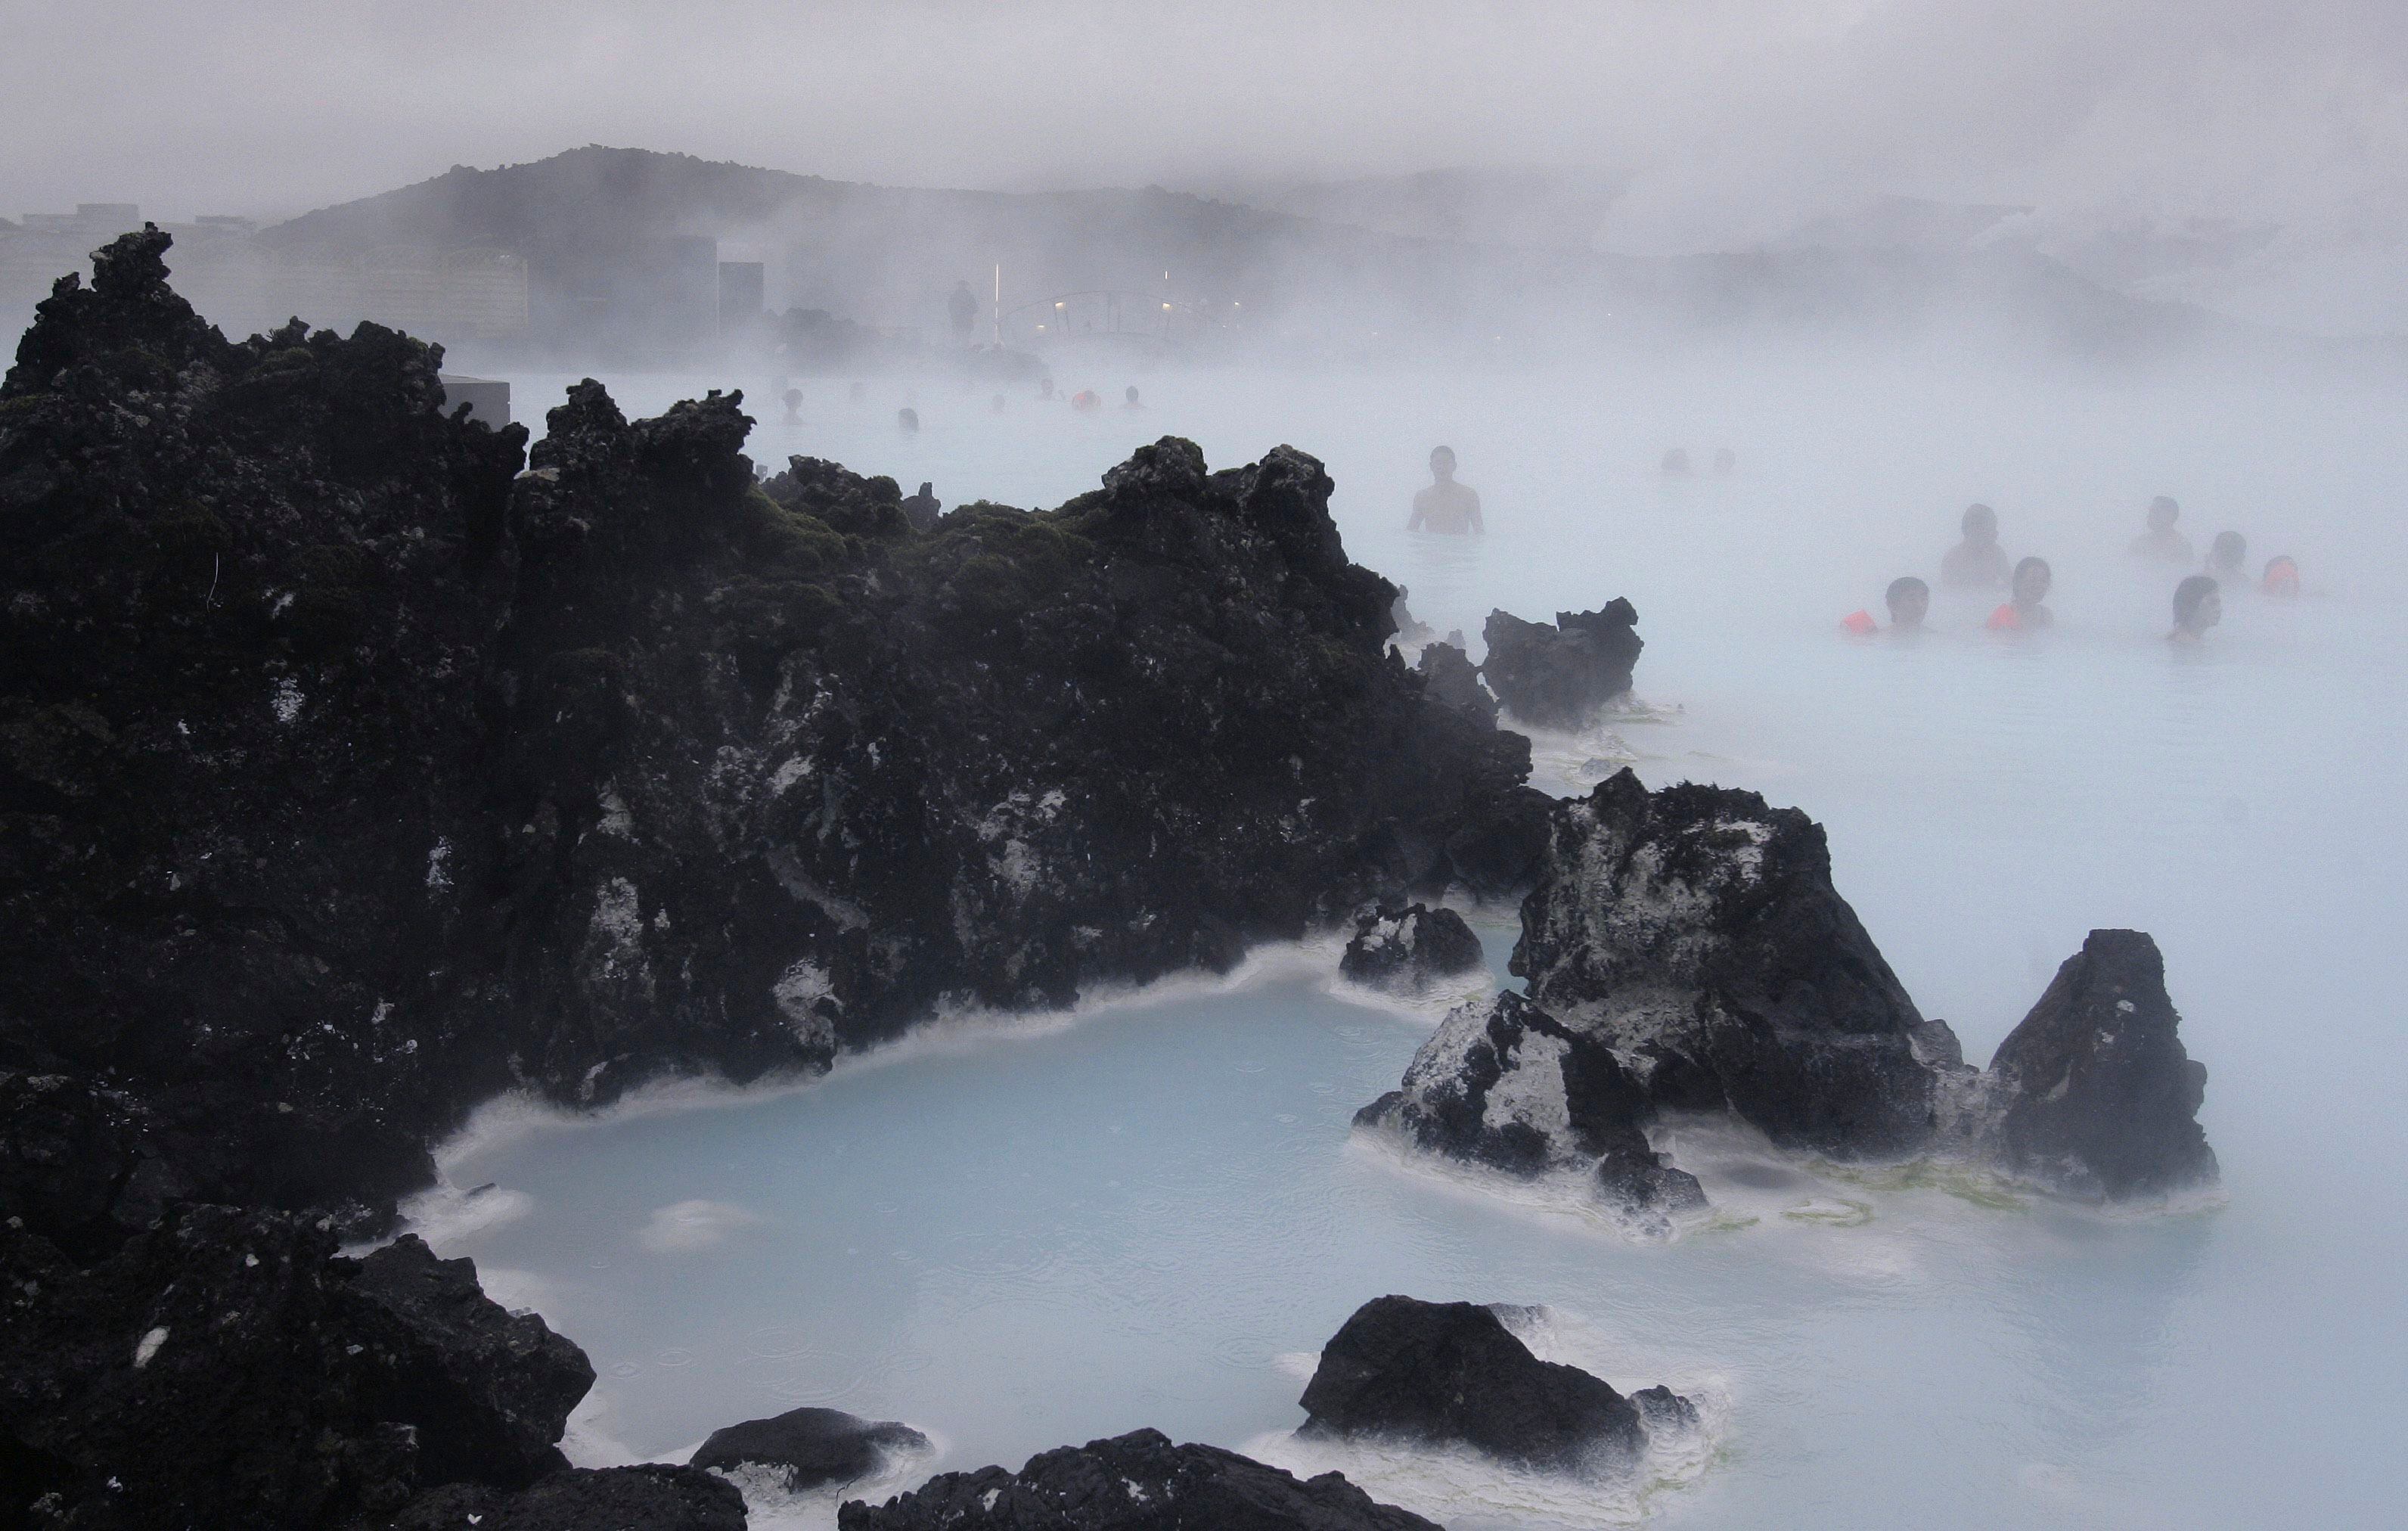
{"points": [[358, 763]]}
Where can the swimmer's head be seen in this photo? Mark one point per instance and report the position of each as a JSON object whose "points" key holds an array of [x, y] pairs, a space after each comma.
{"points": [[2282, 576], [2031, 581], [2163, 513], [2228, 551], [1910, 602], [1131, 395], [1442, 463], [1980, 526], [2198, 604]]}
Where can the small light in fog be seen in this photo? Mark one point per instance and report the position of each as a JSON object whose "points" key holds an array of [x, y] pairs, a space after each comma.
{"points": [[1166, 308]]}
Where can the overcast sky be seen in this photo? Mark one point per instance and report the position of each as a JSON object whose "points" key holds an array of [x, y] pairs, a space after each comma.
{"points": [[1736, 118]]}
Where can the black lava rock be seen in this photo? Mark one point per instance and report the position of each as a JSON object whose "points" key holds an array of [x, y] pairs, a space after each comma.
{"points": [[1685, 951], [2098, 1097], [1562, 677], [1408, 948], [351, 775], [809, 1448], [227, 1367], [1451, 678], [1451, 1373], [1135, 1482], [648, 1497], [491, 1390], [1696, 929]]}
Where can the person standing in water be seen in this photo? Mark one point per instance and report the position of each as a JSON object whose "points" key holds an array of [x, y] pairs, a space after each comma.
{"points": [[2024, 611], [2161, 541], [1977, 562], [1446, 506], [2198, 607], [1910, 602], [963, 306]]}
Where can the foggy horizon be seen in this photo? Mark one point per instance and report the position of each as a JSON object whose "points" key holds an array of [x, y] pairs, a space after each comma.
{"points": [[2272, 149]]}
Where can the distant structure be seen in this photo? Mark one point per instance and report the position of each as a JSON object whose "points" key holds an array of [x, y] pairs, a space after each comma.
{"points": [[743, 289], [244, 286]]}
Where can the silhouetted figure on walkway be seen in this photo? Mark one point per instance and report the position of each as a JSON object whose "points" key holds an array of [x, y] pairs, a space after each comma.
{"points": [[964, 307]]}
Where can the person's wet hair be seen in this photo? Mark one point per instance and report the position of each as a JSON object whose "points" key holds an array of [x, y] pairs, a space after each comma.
{"points": [[2228, 551], [1905, 586], [2281, 575], [2188, 596], [1981, 517], [2033, 566], [1437, 452]]}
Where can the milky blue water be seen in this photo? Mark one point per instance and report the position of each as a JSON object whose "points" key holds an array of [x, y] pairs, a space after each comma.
{"points": [[1016, 1235]]}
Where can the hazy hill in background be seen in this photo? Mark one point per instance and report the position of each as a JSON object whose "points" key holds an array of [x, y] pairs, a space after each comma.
{"points": [[629, 256]]}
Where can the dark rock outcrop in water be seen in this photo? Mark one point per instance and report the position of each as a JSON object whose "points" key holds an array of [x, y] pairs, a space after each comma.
{"points": [[1562, 677], [1686, 951], [350, 775], [808, 1448], [1135, 1482], [1451, 1373], [1409, 948], [2095, 1095], [227, 1367]]}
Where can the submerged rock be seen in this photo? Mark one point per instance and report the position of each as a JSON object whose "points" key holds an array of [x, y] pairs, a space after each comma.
{"points": [[1135, 1482], [808, 1448], [1686, 951], [2094, 1094], [1452, 1374], [1409, 948], [1562, 677]]}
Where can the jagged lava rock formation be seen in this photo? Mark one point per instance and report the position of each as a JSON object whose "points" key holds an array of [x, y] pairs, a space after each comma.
{"points": [[1454, 680], [1562, 677], [806, 1449], [1686, 951], [1408, 949], [2093, 1093], [1449, 1373], [350, 775], [228, 1367], [1135, 1482]]}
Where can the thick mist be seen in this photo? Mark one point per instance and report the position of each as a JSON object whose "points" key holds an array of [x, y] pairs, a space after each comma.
{"points": [[2249, 158], [1191, 1218]]}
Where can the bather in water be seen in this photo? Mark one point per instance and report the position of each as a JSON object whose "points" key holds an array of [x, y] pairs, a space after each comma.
{"points": [[2163, 542], [1446, 506], [2026, 610], [2198, 607], [1977, 562], [1908, 600]]}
